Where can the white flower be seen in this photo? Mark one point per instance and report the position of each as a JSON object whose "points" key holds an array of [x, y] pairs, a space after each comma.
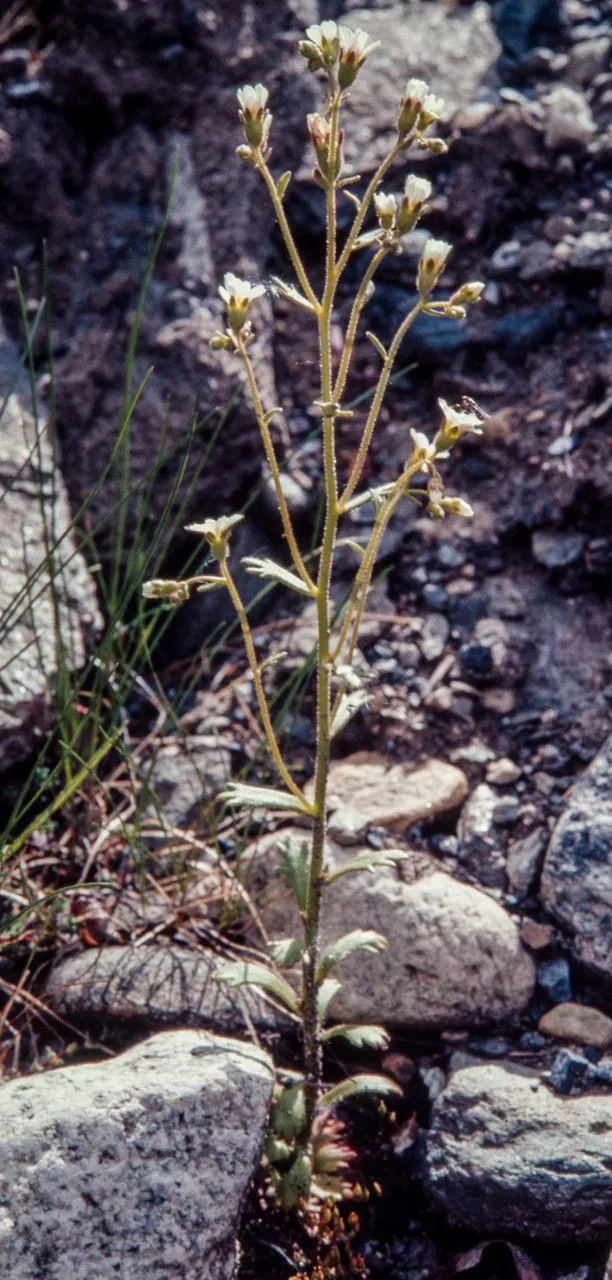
{"points": [[386, 209], [417, 190], [322, 33], [252, 98], [216, 532], [432, 264], [354, 49], [238, 295], [457, 420], [431, 109], [410, 106], [256, 119], [423, 450], [416, 91]]}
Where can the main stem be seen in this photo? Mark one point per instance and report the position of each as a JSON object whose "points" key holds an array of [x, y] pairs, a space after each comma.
{"points": [[311, 1029]]}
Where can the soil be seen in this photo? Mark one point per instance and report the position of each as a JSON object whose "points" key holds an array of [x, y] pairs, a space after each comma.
{"points": [[84, 168]]}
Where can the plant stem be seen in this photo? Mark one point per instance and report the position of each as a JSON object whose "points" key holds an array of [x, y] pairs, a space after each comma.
{"points": [[357, 308], [311, 1029], [287, 235], [273, 465], [262, 701], [381, 388]]}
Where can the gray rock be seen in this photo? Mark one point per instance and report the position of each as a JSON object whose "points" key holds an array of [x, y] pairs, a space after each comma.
{"points": [[569, 120], [576, 886], [184, 773], [524, 859], [133, 1167], [368, 790], [46, 600], [557, 550], [435, 633], [554, 977], [587, 58], [155, 986], [506, 1155], [479, 841], [453, 959]]}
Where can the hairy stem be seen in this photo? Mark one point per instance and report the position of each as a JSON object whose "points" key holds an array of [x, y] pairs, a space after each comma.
{"points": [[273, 465], [287, 234], [357, 308], [262, 701]]}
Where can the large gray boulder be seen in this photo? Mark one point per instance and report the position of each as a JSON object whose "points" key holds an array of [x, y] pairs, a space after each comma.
{"points": [[134, 1167], [504, 1154], [454, 956], [576, 884], [48, 604]]}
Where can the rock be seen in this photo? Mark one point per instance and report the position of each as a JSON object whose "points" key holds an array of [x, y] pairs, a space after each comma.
{"points": [[453, 957], [185, 772], [571, 1073], [557, 550], [133, 1167], [506, 598], [39, 592], [367, 790], [578, 1022], [587, 58], [435, 633], [506, 1155], [479, 843], [502, 772], [555, 979], [569, 120], [536, 936], [577, 873], [506, 259], [154, 986], [524, 859]]}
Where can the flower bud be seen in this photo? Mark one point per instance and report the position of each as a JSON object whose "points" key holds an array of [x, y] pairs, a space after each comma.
{"points": [[161, 589], [238, 295], [320, 133], [386, 209], [432, 264], [457, 507], [354, 49], [256, 119], [221, 342], [415, 94], [470, 292], [416, 192]]}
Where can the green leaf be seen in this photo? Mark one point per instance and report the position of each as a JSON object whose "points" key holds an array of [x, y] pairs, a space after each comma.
{"points": [[352, 701], [290, 292], [297, 865], [241, 973], [356, 1085], [283, 183], [277, 1150], [288, 1115], [264, 568], [295, 1184], [366, 1037], [328, 988], [367, 862], [286, 952], [241, 793], [357, 940], [377, 344]]}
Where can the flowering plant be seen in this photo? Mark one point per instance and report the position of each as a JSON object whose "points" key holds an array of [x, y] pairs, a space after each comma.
{"points": [[304, 1152]]}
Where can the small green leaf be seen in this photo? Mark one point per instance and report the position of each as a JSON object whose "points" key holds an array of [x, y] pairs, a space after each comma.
{"points": [[368, 237], [367, 862], [249, 973], [264, 568], [295, 1184], [288, 1115], [352, 701], [366, 1037], [297, 865], [350, 195], [328, 988], [290, 292], [357, 940], [211, 585], [277, 1150], [283, 183], [241, 793], [355, 1085], [377, 344], [286, 952]]}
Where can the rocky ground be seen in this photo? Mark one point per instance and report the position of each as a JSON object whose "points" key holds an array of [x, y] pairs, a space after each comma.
{"points": [[486, 755]]}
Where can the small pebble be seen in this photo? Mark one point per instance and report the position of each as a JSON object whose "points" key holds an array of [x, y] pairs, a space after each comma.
{"points": [[555, 979]]}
